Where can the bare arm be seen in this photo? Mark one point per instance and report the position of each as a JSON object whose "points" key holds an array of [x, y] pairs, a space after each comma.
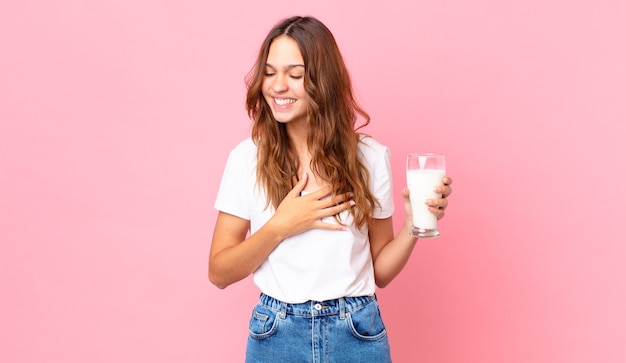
{"points": [[233, 256], [390, 254]]}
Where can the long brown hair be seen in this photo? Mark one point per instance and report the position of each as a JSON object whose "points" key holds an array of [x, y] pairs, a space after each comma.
{"points": [[332, 115]]}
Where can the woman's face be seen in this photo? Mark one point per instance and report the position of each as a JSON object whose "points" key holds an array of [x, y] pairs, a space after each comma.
{"points": [[283, 81]]}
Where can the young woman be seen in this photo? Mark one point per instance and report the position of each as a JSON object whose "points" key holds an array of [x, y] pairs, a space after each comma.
{"points": [[305, 205]]}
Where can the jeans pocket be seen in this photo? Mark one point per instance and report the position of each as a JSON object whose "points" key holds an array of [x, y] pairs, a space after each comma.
{"points": [[366, 323], [263, 322]]}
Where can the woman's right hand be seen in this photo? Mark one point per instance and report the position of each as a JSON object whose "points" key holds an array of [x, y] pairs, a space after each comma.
{"points": [[298, 213], [233, 256]]}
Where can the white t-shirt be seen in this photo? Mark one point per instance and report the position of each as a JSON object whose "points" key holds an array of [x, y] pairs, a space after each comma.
{"points": [[317, 264]]}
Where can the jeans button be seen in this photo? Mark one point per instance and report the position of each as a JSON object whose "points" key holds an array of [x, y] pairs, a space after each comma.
{"points": [[318, 306]]}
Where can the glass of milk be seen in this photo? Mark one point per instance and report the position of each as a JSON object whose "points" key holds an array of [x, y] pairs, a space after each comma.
{"points": [[424, 173]]}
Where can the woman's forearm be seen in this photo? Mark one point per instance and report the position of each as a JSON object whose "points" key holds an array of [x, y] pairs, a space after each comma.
{"points": [[393, 257], [234, 257]]}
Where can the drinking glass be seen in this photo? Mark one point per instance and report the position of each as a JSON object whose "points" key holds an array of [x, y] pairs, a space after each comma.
{"points": [[424, 173]]}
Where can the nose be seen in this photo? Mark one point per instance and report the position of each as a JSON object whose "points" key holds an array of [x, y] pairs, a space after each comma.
{"points": [[280, 83]]}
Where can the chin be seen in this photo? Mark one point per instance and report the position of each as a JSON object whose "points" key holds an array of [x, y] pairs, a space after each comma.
{"points": [[281, 118]]}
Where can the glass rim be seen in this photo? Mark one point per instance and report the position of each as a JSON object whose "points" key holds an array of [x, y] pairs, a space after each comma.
{"points": [[425, 154]]}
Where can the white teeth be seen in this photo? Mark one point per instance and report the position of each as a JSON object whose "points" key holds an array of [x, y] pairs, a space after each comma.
{"points": [[284, 101]]}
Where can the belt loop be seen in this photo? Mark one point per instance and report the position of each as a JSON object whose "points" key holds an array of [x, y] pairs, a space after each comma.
{"points": [[342, 308], [283, 310]]}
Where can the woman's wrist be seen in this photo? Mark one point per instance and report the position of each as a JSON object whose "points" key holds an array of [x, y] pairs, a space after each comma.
{"points": [[407, 227]]}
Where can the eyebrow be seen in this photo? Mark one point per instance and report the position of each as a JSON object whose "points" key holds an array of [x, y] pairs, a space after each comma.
{"points": [[289, 67]]}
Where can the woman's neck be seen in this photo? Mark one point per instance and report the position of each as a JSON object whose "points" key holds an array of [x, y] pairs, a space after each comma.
{"points": [[298, 133], [298, 138]]}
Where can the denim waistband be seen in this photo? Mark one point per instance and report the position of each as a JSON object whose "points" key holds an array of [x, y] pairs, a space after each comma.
{"points": [[310, 308]]}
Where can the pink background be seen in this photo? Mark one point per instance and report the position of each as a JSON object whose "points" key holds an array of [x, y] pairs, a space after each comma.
{"points": [[117, 117]]}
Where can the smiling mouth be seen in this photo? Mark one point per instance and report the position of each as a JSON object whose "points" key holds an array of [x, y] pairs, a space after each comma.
{"points": [[284, 101]]}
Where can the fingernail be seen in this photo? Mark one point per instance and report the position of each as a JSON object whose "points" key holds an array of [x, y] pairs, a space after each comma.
{"points": [[352, 202]]}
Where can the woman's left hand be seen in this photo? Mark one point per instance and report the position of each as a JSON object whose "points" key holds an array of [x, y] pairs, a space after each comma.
{"points": [[435, 206], [438, 206]]}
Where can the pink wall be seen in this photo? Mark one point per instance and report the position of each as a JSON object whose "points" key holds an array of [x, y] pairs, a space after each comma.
{"points": [[116, 118]]}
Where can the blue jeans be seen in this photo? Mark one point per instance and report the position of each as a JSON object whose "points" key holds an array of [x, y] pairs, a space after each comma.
{"points": [[343, 330]]}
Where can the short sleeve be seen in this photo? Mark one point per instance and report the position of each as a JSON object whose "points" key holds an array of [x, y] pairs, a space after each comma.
{"points": [[382, 185], [237, 182]]}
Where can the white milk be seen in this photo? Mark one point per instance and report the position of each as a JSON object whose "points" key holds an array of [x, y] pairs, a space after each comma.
{"points": [[422, 184]]}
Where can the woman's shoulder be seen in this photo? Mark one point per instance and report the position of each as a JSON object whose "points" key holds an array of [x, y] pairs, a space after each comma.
{"points": [[245, 147], [246, 144], [370, 146], [244, 152]]}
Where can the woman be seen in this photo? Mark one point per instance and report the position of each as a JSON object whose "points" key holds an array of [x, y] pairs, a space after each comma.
{"points": [[305, 205]]}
